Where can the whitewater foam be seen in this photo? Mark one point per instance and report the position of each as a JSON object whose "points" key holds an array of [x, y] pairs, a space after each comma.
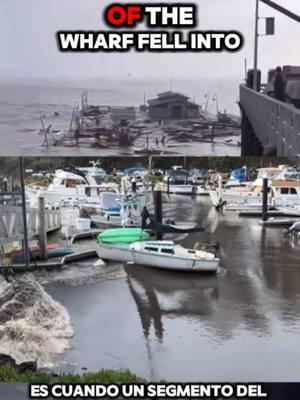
{"points": [[33, 326]]}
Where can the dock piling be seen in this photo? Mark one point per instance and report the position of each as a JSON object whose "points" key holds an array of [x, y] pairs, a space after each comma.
{"points": [[158, 211], [220, 187], [265, 200], [24, 212], [42, 232]]}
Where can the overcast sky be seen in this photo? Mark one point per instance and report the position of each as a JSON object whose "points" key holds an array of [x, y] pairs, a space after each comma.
{"points": [[28, 46]]}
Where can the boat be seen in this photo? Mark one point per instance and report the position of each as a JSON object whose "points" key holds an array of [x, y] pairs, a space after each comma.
{"points": [[94, 172], [171, 227], [280, 193], [167, 226], [127, 214], [279, 222], [159, 254], [178, 181], [54, 250], [239, 179], [122, 235], [199, 179], [283, 190], [136, 177], [69, 187]]}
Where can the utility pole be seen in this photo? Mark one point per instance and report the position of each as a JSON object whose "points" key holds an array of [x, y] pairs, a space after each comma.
{"points": [[255, 71], [24, 212], [278, 8]]}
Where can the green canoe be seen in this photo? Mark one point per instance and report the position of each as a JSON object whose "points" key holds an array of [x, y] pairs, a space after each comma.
{"points": [[122, 235]]}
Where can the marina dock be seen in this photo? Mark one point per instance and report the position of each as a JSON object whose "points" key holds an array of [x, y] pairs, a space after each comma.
{"points": [[80, 252]]}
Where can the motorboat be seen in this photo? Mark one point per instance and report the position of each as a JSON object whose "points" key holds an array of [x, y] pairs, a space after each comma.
{"points": [[95, 173], [178, 182], [159, 254], [280, 193], [128, 213], [134, 180], [71, 187], [199, 179], [283, 190], [239, 179]]}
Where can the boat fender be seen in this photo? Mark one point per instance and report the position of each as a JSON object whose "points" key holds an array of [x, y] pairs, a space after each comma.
{"points": [[99, 263], [221, 204], [170, 222], [198, 246], [216, 245]]}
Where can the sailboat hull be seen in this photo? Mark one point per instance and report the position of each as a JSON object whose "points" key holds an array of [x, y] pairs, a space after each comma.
{"points": [[127, 255]]}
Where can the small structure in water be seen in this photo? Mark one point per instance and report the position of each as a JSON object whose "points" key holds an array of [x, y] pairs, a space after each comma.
{"points": [[172, 105]]}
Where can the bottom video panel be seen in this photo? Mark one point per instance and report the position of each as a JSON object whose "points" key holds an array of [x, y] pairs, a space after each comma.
{"points": [[175, 269]]}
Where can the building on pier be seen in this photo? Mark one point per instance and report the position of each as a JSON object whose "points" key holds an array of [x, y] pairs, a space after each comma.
{"points": [[172, 105]]}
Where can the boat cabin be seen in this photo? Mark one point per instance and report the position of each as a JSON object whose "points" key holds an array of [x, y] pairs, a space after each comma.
{"points": [[72, 184], [287, 190], [178, 177], [166, 247]]}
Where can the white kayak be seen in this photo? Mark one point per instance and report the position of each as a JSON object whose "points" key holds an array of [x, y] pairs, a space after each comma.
{"points": [[160, 254]]}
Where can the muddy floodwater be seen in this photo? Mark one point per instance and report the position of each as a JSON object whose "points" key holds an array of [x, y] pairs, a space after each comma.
{"points": [[242, 324]]}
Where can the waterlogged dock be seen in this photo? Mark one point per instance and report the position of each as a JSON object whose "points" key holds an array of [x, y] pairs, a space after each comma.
{"points": [[80, 252]]}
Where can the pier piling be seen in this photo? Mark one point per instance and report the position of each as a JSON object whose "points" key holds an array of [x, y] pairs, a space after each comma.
{"points": [[24, 213], [42, 232], [265, 200], [158, 211]]}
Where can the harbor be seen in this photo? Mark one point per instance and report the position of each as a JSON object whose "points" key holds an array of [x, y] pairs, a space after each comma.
{"points": [[161, 323]]}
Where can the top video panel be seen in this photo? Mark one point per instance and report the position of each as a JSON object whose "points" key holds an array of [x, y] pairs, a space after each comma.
{"points": [[99, 78]]}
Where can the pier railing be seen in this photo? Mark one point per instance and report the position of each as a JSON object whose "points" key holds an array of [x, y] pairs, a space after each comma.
{"points": [[275, 124], [11, 223]]}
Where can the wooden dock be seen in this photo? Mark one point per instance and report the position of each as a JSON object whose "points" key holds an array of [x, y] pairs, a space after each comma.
{"points": [[81, 252]]}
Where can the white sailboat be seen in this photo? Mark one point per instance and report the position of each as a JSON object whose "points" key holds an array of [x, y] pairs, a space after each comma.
{"points": [[160, 254]]}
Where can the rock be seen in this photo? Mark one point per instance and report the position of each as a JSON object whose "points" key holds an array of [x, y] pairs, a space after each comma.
{"points": [[5, 359], [21, 368], [27, 366]]}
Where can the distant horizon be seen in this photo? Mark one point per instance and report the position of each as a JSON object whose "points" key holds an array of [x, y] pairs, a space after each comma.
{"points": [[46, 80]]}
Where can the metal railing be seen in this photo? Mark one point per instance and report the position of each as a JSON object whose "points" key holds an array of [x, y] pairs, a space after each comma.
{"points": [[276, 124]]}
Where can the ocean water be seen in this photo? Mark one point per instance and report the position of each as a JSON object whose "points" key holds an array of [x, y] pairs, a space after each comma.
{"points": [[22, 105]]}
